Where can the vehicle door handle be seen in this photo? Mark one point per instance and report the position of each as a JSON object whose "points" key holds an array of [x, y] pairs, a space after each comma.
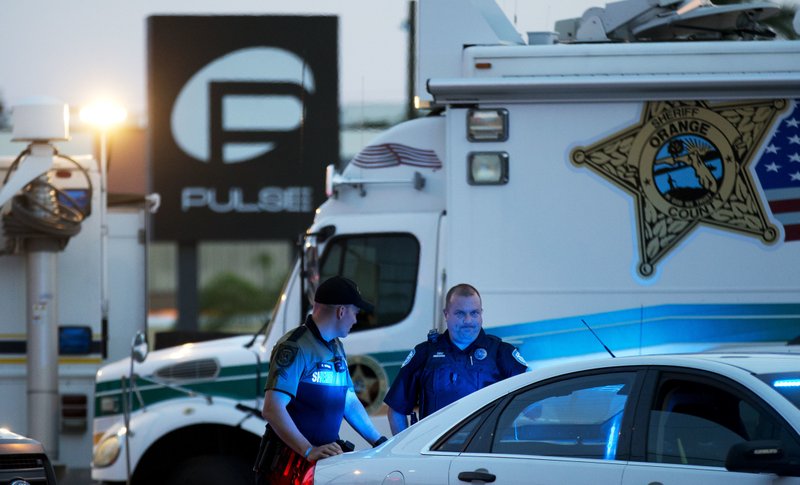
{"points": [[479, 475]]}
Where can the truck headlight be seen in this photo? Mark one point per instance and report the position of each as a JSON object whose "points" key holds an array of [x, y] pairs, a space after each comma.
{"points": [[106, 452]]}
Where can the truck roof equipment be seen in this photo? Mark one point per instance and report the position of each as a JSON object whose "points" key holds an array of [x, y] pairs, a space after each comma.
{"points": [[667, 20]]}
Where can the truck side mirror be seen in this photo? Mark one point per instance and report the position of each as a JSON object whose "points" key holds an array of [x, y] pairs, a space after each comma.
{"points": [[763, 456], [139, 347]]}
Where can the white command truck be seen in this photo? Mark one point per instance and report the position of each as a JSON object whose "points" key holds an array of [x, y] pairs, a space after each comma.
{"points": [[54, 332], [647, 187]]}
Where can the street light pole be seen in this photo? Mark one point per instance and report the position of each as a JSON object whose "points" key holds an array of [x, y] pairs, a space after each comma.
{"points": [[104, 235], [103, 115]]}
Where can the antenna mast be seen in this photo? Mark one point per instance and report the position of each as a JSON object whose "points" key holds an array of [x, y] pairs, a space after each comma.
{"points": [[598, 339]]}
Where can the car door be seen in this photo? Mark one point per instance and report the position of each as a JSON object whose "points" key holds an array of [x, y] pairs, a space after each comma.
{"points": [[687, 422], [571, 429]]}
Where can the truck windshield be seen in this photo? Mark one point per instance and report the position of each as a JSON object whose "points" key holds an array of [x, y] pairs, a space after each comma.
{"points": [[385, 268], [786, 383]]}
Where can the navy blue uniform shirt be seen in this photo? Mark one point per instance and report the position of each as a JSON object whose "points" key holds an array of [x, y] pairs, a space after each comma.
{"points": [[437, 374]]}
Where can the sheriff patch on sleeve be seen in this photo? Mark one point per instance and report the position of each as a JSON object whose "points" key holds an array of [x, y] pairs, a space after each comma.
{"points": [[285, 354], [408, 359], [519, 357]]}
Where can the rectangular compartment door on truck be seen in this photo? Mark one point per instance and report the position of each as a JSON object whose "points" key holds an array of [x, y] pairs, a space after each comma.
{"points": [[564, 240], [127, 264]]}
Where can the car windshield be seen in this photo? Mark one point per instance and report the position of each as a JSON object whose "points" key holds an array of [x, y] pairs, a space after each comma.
{"points": [[786, 383]]}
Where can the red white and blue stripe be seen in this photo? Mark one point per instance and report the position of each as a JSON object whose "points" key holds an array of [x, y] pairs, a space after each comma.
{"points": [[394, 154], [778, 169]]}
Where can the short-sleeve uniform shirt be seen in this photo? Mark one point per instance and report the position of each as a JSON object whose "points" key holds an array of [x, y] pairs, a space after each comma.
{"points": [[314, 373], [438, 373]]}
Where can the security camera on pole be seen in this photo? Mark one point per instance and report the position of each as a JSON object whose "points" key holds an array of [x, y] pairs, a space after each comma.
{"points": [[38, 220]]}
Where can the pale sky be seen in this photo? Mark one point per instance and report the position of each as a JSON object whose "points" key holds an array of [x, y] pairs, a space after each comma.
{"points": [[81, 50]]}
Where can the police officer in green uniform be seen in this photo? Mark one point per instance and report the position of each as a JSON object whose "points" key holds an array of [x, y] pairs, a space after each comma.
{"points": [[452, 365], [309, 389]]}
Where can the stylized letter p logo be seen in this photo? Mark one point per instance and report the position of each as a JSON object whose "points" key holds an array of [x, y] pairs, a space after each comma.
{"points": [[241, 105]]}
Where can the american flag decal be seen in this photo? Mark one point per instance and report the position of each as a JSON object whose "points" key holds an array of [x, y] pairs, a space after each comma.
{"points": [[394, 154], [778, 169]]}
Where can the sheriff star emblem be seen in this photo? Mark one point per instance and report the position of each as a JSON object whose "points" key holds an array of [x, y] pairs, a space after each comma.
{"points": [[686, 163]]}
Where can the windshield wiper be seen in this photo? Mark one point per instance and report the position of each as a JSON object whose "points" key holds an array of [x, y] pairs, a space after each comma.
{"points": [[259, 332]]}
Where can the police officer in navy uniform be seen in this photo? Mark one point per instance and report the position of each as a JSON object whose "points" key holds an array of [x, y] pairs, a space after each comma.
{"points": [[452, 365], [309, 389]]}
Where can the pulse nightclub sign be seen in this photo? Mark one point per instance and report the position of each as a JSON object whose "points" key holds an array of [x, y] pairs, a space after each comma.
{"points": [[243, 120]]}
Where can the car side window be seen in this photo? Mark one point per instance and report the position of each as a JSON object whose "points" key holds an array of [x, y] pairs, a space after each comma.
{"points": [[577, 417], [459, 436], [696, 423]]}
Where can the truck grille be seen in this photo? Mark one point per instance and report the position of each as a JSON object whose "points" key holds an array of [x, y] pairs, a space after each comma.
{"points": [[20, 462], [29, 467], [190, 371]]}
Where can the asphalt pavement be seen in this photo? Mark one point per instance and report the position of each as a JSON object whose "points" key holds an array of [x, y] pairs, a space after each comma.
{"points": [[76, 476]]}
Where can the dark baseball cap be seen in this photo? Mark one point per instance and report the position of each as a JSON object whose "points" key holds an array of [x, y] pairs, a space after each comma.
{"points": [[339, 290]]}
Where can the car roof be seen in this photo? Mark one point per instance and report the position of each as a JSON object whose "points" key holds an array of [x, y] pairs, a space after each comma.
{"points": [[758, 363], [753, 362]]}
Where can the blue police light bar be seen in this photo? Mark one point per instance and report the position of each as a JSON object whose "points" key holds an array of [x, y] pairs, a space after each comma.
{"points": [[786, 383]]}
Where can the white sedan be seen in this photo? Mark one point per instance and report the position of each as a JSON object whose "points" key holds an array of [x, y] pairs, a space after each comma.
{"points": [[728, 418]]}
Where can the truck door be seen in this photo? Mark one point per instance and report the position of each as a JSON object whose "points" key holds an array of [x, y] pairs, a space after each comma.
{"points": [[393, 259]]}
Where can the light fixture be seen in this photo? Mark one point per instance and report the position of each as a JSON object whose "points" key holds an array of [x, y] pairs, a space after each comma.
{"points": [[103, 114], [107, 452], [487, 168], [786, 383], [487, 125]]}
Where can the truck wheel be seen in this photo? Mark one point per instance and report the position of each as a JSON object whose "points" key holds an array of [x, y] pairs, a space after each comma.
{"points": [[212, 470]]}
